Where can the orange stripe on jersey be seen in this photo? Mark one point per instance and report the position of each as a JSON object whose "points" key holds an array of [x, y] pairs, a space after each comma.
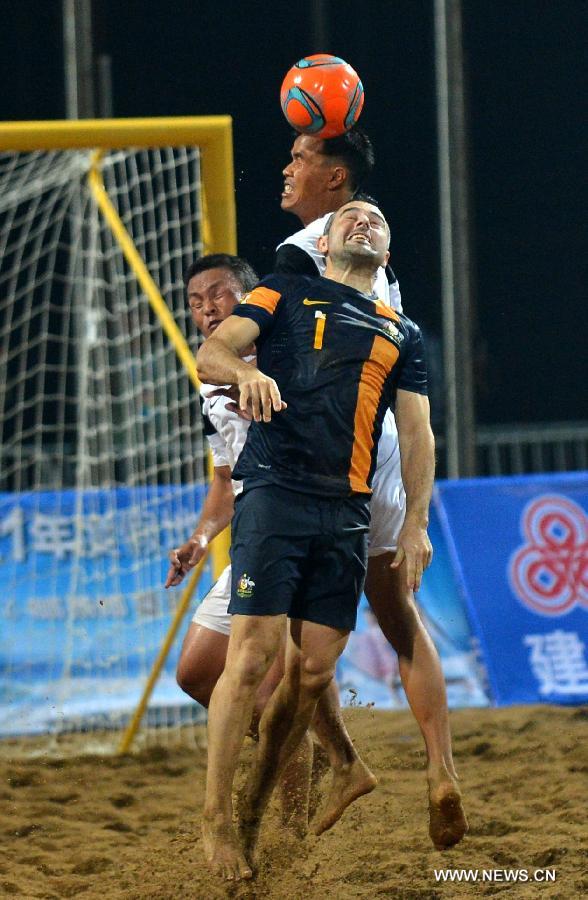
{"points": [[374, 372], [387, 311], [264, 297]]}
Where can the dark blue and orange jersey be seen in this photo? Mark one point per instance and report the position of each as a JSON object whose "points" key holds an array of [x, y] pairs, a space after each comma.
{"points": [[338, 359]]}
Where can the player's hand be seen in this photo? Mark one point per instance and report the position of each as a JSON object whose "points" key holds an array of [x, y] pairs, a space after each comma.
{"points": [[414, 549], [183, 559], [259, 395]]}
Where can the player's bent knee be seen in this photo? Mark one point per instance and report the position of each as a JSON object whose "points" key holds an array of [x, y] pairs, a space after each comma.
{"points": [[182, 681], [195, 691], [199, 688], [249, 666], [314, 679]]}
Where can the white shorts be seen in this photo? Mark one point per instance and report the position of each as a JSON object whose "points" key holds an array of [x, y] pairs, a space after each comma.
{"points": [[212, 612], [388, 503]]}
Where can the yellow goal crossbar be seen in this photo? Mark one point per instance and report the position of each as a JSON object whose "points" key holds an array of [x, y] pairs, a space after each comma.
{"points": [[213, 134]]}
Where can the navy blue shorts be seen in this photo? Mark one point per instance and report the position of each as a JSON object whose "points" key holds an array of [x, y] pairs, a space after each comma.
{"points": [[299, 554]]}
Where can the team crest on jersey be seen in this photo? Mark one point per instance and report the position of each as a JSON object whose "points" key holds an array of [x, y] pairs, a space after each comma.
{"points": [[391, 329], [245, 586]]}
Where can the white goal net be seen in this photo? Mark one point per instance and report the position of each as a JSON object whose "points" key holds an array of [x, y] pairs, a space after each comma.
{"points": [[102, 460]]}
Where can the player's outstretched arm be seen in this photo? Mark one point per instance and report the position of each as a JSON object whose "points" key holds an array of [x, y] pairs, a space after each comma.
{"points": [[417, 456], [217, 512], [219, 362], [219, 358]]}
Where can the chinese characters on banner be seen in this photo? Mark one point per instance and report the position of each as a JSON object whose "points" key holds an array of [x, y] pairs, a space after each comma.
{"points": [[520, 548]]}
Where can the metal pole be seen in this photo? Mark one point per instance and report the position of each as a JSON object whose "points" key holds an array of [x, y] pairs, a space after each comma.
{"points": [[455, 241], [104, 86], [320, 26], [86, 60], [78, 59], [70, 59]]}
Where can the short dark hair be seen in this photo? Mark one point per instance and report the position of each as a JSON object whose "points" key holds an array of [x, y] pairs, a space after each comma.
{"points": [[328, 224], [238, 267], [355, 150], [365, 198]]}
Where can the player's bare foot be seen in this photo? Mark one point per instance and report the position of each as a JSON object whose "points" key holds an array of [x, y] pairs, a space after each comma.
{"points": [[248, 834], [249, 823], [447, 819], [349, 783], [223, 852]]}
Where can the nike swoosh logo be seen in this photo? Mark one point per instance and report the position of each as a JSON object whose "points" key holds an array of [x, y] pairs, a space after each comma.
{"points": [[314, 302]]}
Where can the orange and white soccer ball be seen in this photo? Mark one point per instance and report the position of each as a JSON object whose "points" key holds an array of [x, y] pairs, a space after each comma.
{"points": [[322, 95]]}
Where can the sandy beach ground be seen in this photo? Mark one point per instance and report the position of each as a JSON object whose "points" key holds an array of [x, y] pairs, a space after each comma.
{"points": [[110, 827]]}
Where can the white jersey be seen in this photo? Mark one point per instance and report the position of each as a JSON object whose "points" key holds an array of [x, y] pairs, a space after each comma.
{"points": [[225, 430], [226, 433], [388, 503], [307, 239], [230, 430]]}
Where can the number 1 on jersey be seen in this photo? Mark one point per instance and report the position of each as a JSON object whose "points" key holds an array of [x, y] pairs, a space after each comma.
{"points": [[321, 318]]}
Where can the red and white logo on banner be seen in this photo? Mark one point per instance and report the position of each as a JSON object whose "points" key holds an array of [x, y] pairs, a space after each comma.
{"points": [[549, 573]]}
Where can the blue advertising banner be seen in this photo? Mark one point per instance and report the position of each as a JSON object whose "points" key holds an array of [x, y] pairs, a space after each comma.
{"points": [[520, 551], [368, 669], [84, 610]]}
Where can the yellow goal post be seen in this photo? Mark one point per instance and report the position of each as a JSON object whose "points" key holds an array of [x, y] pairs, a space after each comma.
{"points": [[67, 424]]}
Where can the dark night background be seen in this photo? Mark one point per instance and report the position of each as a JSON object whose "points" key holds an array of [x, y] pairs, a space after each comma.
{"points": [[526, 78]]}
